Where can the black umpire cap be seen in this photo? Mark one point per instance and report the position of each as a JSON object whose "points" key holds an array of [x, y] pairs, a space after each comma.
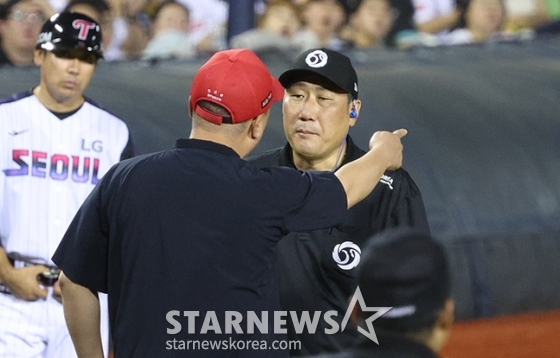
{"points": [[71, 31], [329, 64]]}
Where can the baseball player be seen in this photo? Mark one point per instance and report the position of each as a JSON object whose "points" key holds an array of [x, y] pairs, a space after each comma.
{"points": [[55, 145]]}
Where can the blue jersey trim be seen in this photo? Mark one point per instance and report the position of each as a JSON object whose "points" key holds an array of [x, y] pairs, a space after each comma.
{"points": [[17, 96]]}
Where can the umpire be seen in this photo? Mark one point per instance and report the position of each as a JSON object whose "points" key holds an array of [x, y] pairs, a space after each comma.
{"points": [[183, 240]]}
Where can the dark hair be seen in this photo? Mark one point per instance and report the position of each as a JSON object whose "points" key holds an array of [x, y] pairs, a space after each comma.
{"points": [[214, 108], [100, 6], [169, 2], [462, 6], [6, 7]]}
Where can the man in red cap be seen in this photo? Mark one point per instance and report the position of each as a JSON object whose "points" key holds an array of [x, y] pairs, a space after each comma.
{"points": [[183, 240]]}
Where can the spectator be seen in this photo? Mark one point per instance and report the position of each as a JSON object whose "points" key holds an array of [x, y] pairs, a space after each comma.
{"points": [[208, 24], [407, 271], [275, 29], [322, 20], [170, 33], [370, 24], [403, 24], [526, 14], [132, 26], [436, 17], [20, 23], [479, 21]]}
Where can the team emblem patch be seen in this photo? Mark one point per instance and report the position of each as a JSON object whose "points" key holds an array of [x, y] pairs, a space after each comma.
{"points": [[83, 26], [317, 59], [347, 255]]}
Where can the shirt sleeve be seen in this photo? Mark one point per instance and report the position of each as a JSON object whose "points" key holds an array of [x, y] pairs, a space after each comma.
{"points": [[129, 151], [83, 252], [410, 210], [309, 200]]}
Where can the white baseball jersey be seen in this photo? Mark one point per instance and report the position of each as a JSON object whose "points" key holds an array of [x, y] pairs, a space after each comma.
{"points": [[48, 166]]}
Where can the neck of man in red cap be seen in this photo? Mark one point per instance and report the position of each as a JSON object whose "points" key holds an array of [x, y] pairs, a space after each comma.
{"points": [[241, 137]]}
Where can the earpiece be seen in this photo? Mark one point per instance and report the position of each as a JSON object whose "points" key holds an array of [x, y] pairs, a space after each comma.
{"points": [[353, 114]]}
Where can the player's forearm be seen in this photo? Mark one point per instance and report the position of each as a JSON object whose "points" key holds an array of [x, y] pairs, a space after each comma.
{"points": [[362, 175], [5, 266], [82, 312]]}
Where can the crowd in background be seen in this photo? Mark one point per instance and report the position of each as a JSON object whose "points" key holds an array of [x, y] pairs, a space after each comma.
{"points": [[183, 29]]}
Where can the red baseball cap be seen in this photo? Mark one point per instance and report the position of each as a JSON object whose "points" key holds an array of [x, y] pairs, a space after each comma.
{"points": [[238, 81]]}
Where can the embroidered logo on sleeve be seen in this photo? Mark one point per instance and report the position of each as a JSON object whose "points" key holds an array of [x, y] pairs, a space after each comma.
{"points": [[385, 179]]}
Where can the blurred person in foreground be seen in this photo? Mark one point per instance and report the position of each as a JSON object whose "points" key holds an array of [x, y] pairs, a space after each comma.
{"points": [[406, 272], [317, 268], [20, 23]]}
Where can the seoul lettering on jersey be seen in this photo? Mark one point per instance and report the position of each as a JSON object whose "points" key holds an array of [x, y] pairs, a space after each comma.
{"points": [[56, 166]]}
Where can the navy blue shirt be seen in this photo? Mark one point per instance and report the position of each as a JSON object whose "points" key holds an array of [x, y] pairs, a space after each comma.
{"points": [[193, 228]]}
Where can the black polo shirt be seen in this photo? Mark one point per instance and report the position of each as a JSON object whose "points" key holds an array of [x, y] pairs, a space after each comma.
{"points": [[390, 346], [193, 228], [317, 268]]}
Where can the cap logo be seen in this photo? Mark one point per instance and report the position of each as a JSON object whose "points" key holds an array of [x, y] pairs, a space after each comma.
{"points": [[44, 37], [316, 59], [266, 100], [347, 255], [84, 26], [215, 96]]}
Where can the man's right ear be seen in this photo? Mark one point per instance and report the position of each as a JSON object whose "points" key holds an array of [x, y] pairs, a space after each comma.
{"points": [[447, 315], [258, 125]]}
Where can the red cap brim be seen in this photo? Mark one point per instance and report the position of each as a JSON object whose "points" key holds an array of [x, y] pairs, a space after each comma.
{"points": [[277, 90]]}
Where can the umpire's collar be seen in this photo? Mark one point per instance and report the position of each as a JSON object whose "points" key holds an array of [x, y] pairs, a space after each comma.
{"points": [[353, 152]]}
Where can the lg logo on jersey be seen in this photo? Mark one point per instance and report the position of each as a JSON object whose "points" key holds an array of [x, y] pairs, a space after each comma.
{"points": [[347, 255], [57, 166], [96, 146]]}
